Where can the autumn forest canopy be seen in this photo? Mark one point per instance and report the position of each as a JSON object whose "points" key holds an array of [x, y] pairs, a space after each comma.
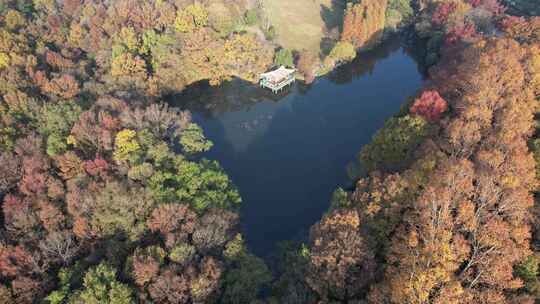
{"points": [[107, 197]]}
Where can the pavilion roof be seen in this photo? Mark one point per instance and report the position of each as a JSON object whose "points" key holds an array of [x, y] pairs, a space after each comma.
{"points": [[278, 75]]}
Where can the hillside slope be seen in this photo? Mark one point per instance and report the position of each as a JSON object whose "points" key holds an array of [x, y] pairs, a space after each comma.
{"points": [[301, 24]]}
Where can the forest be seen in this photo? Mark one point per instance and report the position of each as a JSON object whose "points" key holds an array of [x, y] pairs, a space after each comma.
{"points": [[106, 196]]}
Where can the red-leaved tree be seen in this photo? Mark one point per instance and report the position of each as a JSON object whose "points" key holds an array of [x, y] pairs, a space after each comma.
{"points": [[442, 13], [466, 32], [430, 105]]}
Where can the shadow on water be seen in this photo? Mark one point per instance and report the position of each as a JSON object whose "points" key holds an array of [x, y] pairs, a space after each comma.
{"points": [[232, 95], [287, 153], [365, 62]]}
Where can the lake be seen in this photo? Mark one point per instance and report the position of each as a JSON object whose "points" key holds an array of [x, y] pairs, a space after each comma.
{"points": [[287, 153]]}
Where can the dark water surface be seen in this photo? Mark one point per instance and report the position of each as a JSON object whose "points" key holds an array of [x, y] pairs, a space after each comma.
{"points": [[288, 153]]}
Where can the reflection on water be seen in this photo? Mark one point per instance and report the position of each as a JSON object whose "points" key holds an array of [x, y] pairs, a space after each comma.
{"points": [[288, 152]]}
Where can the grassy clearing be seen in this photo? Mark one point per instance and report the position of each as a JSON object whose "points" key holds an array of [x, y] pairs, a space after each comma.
{"points": [[300, 24]]}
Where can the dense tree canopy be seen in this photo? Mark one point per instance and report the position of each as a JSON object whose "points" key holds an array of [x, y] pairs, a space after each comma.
{"points": [[106, 196], [364, 23], [446, 213]]}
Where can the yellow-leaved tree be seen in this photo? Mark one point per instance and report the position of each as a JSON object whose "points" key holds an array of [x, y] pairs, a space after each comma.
{"points": [[125, 145], [192, 17]]}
